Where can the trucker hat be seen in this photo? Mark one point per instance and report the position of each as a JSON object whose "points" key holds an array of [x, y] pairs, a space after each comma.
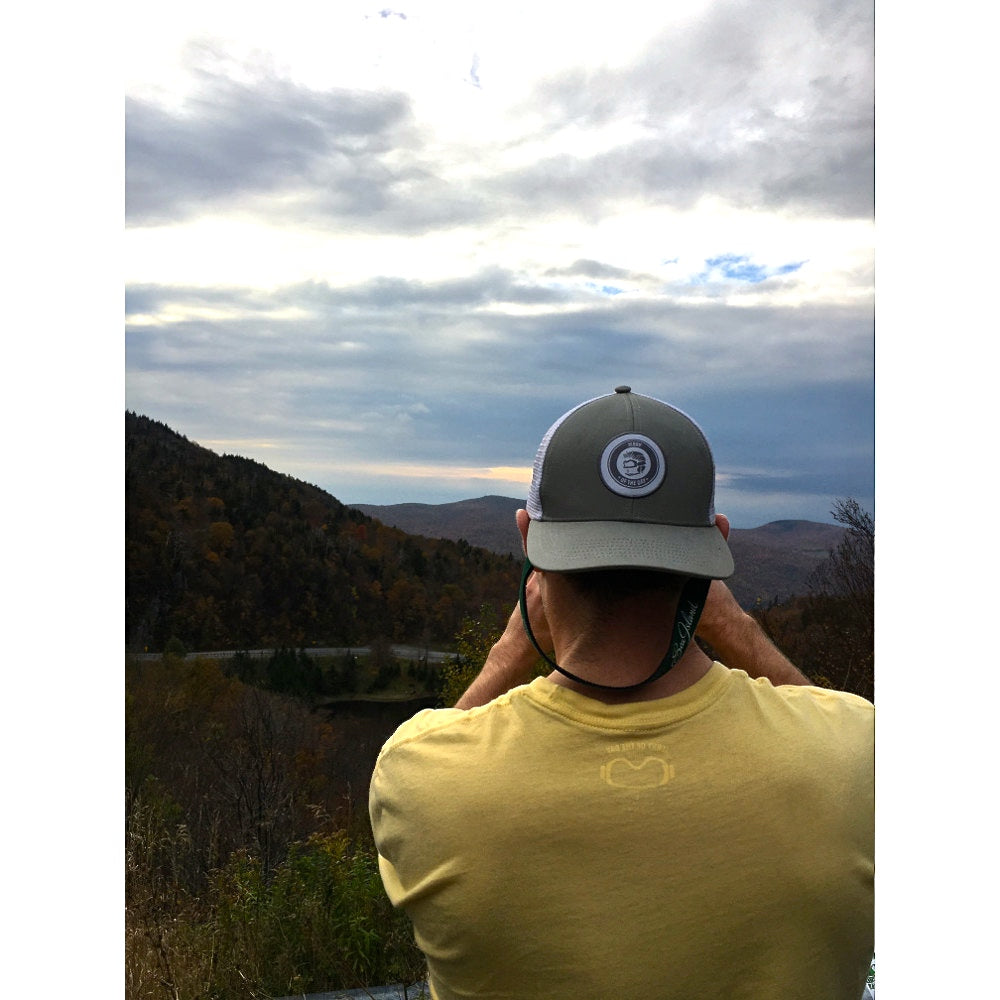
{"points": [[625, 481]]}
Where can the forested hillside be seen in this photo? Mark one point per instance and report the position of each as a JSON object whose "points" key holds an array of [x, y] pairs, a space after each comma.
{"points": [[223, 553]]}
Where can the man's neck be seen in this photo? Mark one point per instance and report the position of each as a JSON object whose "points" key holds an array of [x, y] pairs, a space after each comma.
{"points": [[615, 668], [617, 643]]}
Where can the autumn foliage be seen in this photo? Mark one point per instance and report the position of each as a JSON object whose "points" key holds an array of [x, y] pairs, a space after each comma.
{"points": [[829, 632], [223, 553]]}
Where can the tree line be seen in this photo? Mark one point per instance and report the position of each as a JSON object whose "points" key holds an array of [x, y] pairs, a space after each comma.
{"points": [[829, 632], [223, 553]]}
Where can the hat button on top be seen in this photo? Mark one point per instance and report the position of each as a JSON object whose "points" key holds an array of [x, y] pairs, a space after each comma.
{"points": [[623, 388]]}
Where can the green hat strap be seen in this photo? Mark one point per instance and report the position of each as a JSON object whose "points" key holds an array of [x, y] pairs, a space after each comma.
{"points": [[689, 609]]}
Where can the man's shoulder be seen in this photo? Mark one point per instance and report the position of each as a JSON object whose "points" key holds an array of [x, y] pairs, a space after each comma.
{"points": [[426, 721], [825, 713], [445, 724], [806, 693], [829, 698]]}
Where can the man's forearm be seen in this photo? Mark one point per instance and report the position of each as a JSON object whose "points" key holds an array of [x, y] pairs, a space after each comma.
{"points": [[740, 642], [512, 659], [508, 665], [742, 645]]}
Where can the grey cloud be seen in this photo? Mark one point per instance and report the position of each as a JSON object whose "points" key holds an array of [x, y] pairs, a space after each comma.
{"points": [[583, 268], [144, 299], [324, 154], [711, 338], [452, 340], [233, 139], [493, 285], [823, 166], [765, 104], [391, 296]]}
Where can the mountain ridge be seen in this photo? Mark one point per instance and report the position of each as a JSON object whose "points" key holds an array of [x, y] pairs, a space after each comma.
{"points": [[773, 561], [222, 552]]}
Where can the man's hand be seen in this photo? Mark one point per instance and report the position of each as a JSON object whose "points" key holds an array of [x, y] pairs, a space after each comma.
{"points": [[512, 658], [737, 637], [721, 614], [536, 615]]}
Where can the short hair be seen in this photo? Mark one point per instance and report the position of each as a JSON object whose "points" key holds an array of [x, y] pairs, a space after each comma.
{"points": [[611, 586]]}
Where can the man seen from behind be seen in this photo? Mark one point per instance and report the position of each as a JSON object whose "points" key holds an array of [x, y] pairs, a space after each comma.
{"points": [[643, 822]]}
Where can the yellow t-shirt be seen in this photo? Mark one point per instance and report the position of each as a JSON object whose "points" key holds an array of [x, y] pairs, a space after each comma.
{"points": [[718, 843]]}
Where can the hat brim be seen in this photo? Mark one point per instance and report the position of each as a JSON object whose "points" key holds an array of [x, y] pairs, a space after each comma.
{"points": [[573, 546]]}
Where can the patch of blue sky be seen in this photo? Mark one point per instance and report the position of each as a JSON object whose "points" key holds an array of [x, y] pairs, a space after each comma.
{"points": [[789, 268], [739, 267], [605, 289]]}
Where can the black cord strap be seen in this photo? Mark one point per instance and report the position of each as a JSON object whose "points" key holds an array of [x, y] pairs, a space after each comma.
{"points": [[689, 609]]}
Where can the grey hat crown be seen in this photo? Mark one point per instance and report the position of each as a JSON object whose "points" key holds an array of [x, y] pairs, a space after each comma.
{"points": [[625, 480]]}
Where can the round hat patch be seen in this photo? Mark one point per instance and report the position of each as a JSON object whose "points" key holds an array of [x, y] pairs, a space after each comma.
{"points": [[633, 465]]}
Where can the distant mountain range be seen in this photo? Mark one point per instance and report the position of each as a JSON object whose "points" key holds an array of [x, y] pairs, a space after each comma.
{"points": [[773, 562]]}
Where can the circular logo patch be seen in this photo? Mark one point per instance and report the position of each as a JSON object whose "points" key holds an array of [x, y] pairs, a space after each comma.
{"points": [[633, 466]]}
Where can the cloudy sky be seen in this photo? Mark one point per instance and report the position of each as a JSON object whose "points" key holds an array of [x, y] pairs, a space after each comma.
{"points": [[381, 249]]}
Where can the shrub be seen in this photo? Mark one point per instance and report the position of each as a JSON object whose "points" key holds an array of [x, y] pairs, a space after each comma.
{"points": [[321, 921]]}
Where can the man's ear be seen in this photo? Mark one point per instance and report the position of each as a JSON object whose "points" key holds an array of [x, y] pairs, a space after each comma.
{"points": [[722, 523], [522, 526]]}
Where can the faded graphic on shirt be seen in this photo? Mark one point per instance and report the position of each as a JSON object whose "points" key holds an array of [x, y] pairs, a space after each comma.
{"points": [[637, 764]]}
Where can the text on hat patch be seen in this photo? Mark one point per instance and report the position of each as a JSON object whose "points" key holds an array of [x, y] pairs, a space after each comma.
{"points": [[633, 465]]}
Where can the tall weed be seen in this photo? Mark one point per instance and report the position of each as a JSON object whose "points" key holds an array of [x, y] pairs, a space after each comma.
{"points": [[321, 921], [250, 872]]}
